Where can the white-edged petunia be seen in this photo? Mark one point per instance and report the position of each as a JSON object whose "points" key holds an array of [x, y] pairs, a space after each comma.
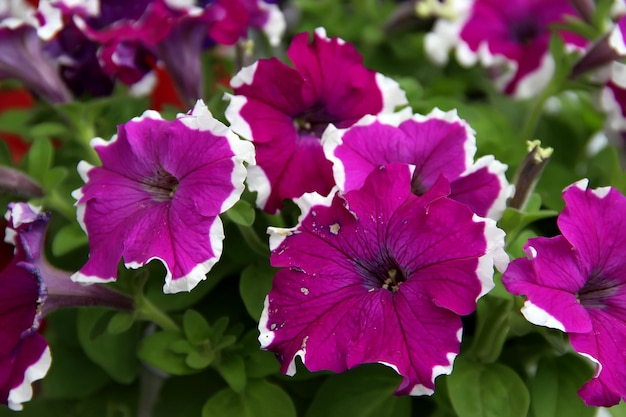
{"points": [[158, 195], [378, 275], [32, 288], [576, 282], [285, 110], [509, 38], [439, 143]]}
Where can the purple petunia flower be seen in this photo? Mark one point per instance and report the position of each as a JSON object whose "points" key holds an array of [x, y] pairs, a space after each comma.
{"points": [[24, 353], [158, 195], [33, 288], [22, 54], [132, 36], [575, 282], [512, 39], [285, 110], [378, 275], [439, 143]]}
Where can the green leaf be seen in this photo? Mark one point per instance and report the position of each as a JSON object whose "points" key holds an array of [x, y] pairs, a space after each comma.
{"points": [[259, 363], [72, 374], [492, 390], [554, 387], [184, 396], [5, 155], [618, 410], [156, 350], [196, 327], [15, 121], [120, 323], [254, 285], [365, 392], [39, 159], [259, 399], [54, 177], [492, 317], [115, 353], [48, 130], [242, 213], [197, 359], [233, 370], [68, 238]]}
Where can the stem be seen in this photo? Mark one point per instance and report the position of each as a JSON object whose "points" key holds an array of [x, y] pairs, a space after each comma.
{"points": [[530, 125], [148, 311], [253, 240]]}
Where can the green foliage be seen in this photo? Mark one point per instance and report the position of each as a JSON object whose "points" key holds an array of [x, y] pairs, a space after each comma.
{"points": [[255, 283], [365, 391], [242, 213], [259, 399], [487, 390], [553, 389], [115, 353]]}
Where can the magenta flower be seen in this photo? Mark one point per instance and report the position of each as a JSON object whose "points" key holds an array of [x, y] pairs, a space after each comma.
{"points": [[439, 143], [158, 195], [132, 36], [511, 38], [285, 110], [575, 282], [33, 288], [378, 275], [24, 353]]}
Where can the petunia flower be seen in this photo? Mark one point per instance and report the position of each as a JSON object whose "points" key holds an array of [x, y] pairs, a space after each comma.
{"points": [[133, 37], [378, 275], [285, 110], [439, 143], [158, 195], [33, 288], [510, 39], [22, 54], [576, 282]]}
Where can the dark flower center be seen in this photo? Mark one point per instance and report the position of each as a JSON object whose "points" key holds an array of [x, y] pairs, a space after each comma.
{"points": [[597, 290], [383, 272], [313, 121], [161, 185], [525, 31]]}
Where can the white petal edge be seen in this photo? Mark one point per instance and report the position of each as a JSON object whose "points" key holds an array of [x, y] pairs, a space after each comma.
{"points": [[540, 317], [233, 114], [306, 203], [498, 169], [616, 41], [198, 273], [266, 337], [245, 76], [34, 372], [452, 117], [393, 95], [534, 82], [494, 255], [276, 24]]}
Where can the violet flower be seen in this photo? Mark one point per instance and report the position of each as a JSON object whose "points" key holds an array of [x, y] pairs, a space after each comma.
{"points": [[378, 275], [439, 143], [511, 39], [33, 288], [576, 282], [285, 110], [22, 54], [158, 195]]}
